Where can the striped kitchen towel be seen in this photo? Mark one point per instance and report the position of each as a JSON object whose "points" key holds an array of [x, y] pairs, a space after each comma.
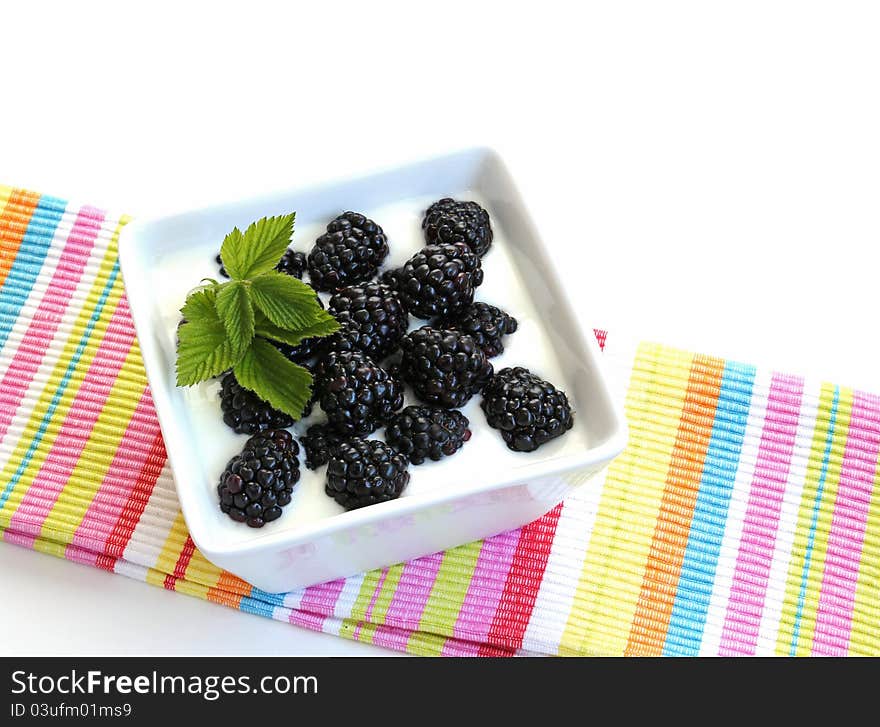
{"points": [[743, 518]]}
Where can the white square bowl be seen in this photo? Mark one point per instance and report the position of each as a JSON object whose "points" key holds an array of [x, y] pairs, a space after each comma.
{"points": [[483, 490]]}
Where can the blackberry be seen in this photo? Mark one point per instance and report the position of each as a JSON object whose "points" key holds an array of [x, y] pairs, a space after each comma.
{"points": [[427, 432], [445, 368], [317, 443], [355, 393], [305, 349], [292, 263], [528, 410], [364, 472], [451, 221], [245, 412], [375, 313], [439, 280], [485, 323], [390, 278], [349, 252], [257, 483]]}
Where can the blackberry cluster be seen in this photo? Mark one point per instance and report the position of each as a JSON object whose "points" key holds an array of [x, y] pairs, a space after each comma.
{"points": [[351, 251], [317, 443], [245, 412], [526, 409], [257, 483], [485, 323], [451, 221], [355, 393], [364, 472], [373, 314], [426, 432], [291, 263], [439, 280], [445, 368]]}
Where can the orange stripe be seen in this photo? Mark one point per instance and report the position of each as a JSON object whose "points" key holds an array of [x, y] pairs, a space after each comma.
{"points": [[229, 590], [657, 594], [13, 224]]}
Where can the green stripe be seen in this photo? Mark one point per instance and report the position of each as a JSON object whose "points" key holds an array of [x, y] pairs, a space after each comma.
{"points": [[803, 582]]}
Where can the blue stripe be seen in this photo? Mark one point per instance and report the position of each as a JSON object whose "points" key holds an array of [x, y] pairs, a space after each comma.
{"points": [[694, 589], [28, 262], [62, 385], [811, 538], [252, 605]]}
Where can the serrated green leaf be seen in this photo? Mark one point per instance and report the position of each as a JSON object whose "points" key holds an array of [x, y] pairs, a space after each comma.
{"points": [[199, 305], [325, 327], [272, 377], [232, 253], [203, 351], [235, 309], [258, 249], [287, 302]]}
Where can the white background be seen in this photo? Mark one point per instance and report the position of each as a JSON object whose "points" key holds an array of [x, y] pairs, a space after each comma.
{"points": [[708, 174]]}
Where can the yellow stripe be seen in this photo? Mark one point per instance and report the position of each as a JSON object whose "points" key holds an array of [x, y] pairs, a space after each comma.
{"points": [[170, 552], [607, 594], [423, 643], [202, 572], [51, 386], [365, 595], [449, 590], [5, 194], [94, 461], [383, 601], [864, 638], [798, 561]]}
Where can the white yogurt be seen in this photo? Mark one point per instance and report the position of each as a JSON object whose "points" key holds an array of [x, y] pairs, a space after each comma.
{"points": [[481, 457]]}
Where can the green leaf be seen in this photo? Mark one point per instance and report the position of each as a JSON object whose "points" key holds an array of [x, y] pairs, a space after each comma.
{"points": [[203, 351], [199, 305], [272, 377], [235, 309], [258, 249], [327, 326], [232, 253], [287, 302]]}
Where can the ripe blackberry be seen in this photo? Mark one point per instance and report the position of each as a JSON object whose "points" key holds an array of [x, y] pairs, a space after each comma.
{"points": [[439, 280], [305, 349], [349, 252], [528, 410], [355, 393], [247, 413], [317, 443], [364, 472], [445, 368], [451, 221], [257, 483], [375, 313], [390, 278], [292, 263], [485, 323], [427, 432]]}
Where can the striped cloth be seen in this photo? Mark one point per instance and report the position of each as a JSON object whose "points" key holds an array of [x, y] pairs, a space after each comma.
{"points": [[744, 517]]}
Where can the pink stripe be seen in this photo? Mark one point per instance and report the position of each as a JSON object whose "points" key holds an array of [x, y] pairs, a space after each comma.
{"points": [[456, 647], [391, 638], [321, 599], [486, 587], [307, 620], [752, 571], [412, 592], [848, 524], [103, 512], [45, 321], [78, 425]]}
